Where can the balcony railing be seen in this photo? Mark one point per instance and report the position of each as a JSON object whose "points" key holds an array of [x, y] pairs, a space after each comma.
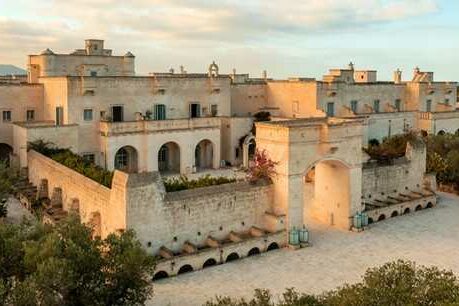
{"points": [[438, 115], [148, 126]]}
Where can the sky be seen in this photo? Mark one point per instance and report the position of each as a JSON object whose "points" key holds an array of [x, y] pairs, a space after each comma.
{"points": [[288, 38]]}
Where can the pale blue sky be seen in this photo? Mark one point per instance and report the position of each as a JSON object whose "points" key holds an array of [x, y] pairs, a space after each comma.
{"points": [[287, 38]]}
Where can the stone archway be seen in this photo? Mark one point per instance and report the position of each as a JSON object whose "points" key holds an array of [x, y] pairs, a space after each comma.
{"points": [[126, 159], [204, 155], [248, 150], [331, 147], [169, 158], [327, 193]]}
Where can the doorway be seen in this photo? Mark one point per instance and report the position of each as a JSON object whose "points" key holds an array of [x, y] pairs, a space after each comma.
{"points": [[117, 113]]}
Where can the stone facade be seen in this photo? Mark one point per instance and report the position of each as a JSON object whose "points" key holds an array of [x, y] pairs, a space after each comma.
{"points": [[180, 123]]}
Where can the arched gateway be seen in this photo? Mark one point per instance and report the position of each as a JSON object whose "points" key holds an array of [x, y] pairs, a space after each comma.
{"points": [[319, 174]]}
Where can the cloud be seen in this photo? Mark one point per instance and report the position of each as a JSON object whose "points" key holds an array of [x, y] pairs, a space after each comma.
{"points": [[181, 27]]}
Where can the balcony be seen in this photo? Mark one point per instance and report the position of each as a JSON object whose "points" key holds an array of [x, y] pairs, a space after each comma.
{"points": [[438, 115], [153, 126]]}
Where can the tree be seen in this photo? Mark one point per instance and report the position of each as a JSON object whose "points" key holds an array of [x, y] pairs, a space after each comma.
{"points": [[8, 177], [396, 283], [64, 265]]}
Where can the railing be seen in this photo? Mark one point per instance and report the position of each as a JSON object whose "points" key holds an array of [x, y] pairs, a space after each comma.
{"points": [[438, 115], [145, 126]]}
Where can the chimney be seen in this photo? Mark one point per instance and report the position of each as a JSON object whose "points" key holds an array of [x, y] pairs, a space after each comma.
{"points": [[351, 66], [398, 76]]}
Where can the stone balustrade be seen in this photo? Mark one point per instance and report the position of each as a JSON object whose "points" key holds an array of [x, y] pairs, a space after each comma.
{"points": [[152, 126]]}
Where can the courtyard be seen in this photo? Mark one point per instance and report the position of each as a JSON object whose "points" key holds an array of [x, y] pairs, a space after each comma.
{"points": [[428, 237]]}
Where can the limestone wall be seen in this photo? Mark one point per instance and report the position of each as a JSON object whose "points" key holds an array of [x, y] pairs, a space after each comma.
{"points": [[171, 219], [93, 198], [406, 173], [18, 99], [139, 202], [61, 136]]}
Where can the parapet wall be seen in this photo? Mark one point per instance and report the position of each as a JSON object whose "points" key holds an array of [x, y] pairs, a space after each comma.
{"points": [[401, 175], [92, 198], [139, 202], [171, 219]]}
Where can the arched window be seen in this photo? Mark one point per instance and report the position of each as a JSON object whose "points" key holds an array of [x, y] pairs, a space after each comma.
{"points": [[126, 159]]}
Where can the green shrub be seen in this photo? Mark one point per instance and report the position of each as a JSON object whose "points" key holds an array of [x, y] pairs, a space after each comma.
{"points": [[393, 284], [183, 183], [73, 161]]}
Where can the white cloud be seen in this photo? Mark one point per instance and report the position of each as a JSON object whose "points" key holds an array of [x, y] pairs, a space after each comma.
{"points": [[181, 27]]}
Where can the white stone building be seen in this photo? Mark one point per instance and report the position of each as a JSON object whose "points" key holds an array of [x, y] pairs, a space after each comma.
{"points": [[183, 123]]}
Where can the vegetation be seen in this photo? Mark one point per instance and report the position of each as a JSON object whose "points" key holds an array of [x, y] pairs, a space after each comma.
{"points": [[391, 148], [262, 167], [183, 183], [63, 265], [393, 284], [8, 177], [73, 161], [442, 154]]}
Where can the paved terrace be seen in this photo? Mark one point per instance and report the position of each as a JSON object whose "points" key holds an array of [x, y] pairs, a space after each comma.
{"points": [[429, 237]]}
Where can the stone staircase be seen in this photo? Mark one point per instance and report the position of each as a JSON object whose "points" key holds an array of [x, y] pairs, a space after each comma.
{"points": [[26, 192], [33, 197]]}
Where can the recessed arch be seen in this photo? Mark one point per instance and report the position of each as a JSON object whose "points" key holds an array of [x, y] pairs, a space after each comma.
{"points": [[382, 217], [429, 205], [394, 214], [370, 220], [407, 211], [441, 133], [327, 192], [231, 257], [160, 275], [209, 263], [204, 155], [253, 251], [169, 158], [185, 269], [418, 208], [126, 159], [272, 246]]}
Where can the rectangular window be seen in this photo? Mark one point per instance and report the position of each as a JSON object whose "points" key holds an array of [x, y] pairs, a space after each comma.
{"points": [[87, 114], [89, 157], [295, 107], [93, 73], [398, 104], [214, 110], [160, 112], [30, 115], [6, 116], [195, 110], [117, 113], [330, 109], [354, 105], [376, 106], [446, 101], [428, 105]]}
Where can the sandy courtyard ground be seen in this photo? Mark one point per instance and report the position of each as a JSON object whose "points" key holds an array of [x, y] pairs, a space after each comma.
{"points": [[429, 237]]}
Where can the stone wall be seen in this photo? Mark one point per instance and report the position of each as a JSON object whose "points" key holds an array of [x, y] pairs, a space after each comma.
{"points": [[93, 198], [18, 99], [404, 174], [171, 219], [139, 201]]}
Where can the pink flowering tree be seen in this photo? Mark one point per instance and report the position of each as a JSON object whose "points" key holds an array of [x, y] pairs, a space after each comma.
{"points": [[262, 167]]}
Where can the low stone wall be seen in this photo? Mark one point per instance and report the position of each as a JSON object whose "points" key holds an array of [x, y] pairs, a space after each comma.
{"points": [[395, 210], [171, 219], [93, 199], [223, 254]]}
